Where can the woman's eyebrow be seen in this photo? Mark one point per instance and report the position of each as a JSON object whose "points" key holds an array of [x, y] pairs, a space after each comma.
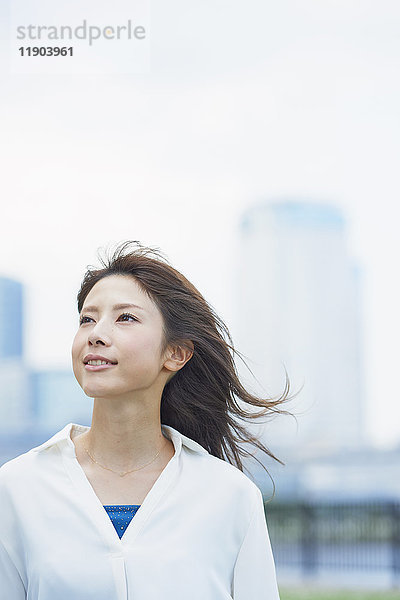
{"points": [[115, 307]]}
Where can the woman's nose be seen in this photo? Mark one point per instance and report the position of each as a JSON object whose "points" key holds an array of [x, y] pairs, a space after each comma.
{"points": [[99, 334]]}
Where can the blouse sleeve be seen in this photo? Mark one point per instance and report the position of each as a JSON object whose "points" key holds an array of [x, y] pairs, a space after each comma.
{"points": [[254, 575], [12, 587]]}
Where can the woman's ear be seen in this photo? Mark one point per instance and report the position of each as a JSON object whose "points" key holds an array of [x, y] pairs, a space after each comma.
{"points": [[178, 355]]}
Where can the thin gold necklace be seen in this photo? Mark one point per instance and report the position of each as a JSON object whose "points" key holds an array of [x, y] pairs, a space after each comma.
{"points": [[123, 473]]}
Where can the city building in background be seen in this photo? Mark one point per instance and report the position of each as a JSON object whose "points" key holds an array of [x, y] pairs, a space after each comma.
{"points": [[57, 399], [33, 404], [15, 409], [299, 307], [11, 318]]}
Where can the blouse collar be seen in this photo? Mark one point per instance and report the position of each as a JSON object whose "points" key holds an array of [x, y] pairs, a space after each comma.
{"points": [[63, 438]]}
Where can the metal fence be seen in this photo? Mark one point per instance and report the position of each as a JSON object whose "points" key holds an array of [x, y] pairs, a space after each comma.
{"points": [[338, 536]]}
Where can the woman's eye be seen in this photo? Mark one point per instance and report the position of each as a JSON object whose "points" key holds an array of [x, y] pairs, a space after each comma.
{"points": [[82, 320], [128, 315]]}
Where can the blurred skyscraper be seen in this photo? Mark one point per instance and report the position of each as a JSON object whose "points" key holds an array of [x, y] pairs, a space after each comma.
{"points": [[11, 318], [298, 305], [31, 401], [57, 399], [14, 386]]}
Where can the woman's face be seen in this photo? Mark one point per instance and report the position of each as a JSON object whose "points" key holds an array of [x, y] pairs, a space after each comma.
{"points": [[128, 336]]}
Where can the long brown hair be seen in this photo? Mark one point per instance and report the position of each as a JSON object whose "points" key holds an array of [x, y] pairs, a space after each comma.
{"points": [[201, 399]]}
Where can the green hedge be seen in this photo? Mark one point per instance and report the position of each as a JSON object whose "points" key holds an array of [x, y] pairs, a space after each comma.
{"points": [[313, 594]]}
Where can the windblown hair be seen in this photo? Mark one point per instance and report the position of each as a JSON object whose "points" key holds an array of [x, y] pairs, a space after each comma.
{"points": [[199, 400]]}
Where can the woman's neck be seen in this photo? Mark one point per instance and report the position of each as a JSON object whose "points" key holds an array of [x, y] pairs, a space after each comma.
{"points": [[126, 438]]}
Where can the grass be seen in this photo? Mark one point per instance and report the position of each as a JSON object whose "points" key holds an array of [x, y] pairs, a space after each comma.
{"points": [[315, 594]]}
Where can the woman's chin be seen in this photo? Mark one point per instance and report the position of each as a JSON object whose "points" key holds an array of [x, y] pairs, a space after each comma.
{"points": [[99, 391]]}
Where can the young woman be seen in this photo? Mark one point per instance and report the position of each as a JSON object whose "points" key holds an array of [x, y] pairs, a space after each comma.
{"points": [[151, 501]]}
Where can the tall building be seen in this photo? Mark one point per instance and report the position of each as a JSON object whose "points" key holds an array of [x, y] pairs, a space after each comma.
{"points": [[11, 318], [15, 407], [31, 401], [57, 399], [15, 410], [298, 307]]}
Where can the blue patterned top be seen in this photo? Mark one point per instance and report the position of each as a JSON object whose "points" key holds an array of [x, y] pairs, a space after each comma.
{"points": [[121, 515]]}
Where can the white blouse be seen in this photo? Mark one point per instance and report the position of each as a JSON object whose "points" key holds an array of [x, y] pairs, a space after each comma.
{"points": [[200, 533]]}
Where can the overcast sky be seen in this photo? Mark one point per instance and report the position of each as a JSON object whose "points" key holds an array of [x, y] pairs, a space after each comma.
{"points": [[242, 102]]}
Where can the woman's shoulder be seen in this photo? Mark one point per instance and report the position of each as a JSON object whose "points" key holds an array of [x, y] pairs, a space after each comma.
{"points": [[15, 478], [29, 462], [16, 466], [221, 474], [216, 469]]}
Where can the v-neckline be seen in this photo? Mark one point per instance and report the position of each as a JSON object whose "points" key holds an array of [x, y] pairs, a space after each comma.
{"points": [[95, 509], [121, 516]]}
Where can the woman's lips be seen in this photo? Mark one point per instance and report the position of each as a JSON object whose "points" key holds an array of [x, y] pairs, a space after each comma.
{"points": [[98, 367]]}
